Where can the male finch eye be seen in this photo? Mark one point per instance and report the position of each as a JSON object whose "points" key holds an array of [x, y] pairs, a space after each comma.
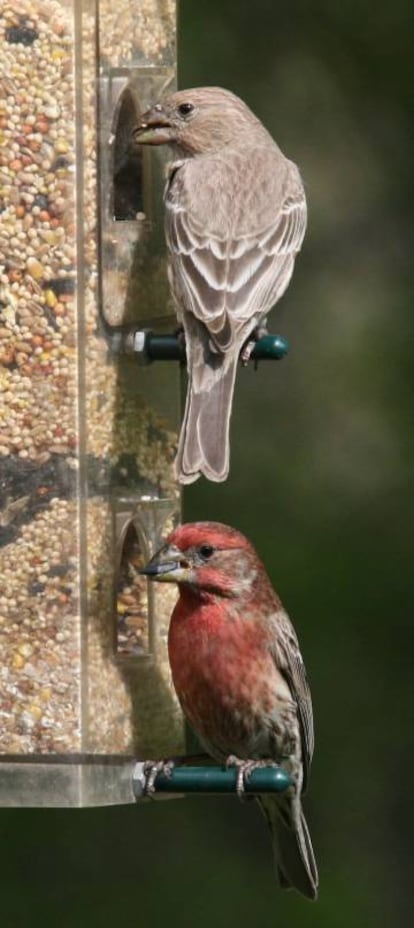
{"points": [[206, 551]]}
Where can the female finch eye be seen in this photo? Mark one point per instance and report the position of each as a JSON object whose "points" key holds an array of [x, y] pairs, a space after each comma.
{"points": [[185, 108], [206, 551]]}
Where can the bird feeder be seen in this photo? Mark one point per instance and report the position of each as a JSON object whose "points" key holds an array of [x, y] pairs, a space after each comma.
{"points": [[87, 435], [88, 426]]}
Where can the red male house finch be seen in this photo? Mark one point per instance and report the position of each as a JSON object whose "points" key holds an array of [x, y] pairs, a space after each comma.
{"points": [[235, 220], [239, 675]]}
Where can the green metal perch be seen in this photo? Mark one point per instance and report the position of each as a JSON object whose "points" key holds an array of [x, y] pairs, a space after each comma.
{"points": [[204, 780], [150, 347]]}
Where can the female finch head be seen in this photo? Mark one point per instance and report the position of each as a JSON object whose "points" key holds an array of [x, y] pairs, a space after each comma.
{"points": [[205, 119]]}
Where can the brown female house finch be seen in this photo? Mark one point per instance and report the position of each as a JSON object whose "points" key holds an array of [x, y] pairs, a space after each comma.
{"points": [[235, 220], [239, 675]]}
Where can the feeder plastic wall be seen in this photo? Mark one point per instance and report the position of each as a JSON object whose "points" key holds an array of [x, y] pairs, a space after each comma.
{"points": [[87, 437]]}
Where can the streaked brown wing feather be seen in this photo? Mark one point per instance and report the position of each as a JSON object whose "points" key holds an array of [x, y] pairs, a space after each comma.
{"points": [[287, 656], [230, 281]]}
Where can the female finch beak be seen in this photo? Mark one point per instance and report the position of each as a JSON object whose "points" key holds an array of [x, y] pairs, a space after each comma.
{"points": [[154, 127], [168, 565]]}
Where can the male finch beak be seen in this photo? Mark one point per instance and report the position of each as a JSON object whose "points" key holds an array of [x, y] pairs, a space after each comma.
{"points": [[168, 565], [154, 127]]}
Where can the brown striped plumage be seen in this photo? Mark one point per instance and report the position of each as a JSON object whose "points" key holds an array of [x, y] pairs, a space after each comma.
{"points": [[235, 220]]}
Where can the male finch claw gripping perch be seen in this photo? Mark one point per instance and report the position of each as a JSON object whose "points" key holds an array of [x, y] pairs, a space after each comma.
{"points": [[235, 220], [239, 675]]}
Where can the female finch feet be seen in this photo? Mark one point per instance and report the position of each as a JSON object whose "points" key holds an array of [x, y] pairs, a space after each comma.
{"points": [[259, 332]]}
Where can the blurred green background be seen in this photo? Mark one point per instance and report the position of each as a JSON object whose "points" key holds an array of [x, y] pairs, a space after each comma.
{"points": [[321, 481]]}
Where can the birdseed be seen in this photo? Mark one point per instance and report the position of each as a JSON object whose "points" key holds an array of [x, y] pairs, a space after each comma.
{"points": [[84, 662]]}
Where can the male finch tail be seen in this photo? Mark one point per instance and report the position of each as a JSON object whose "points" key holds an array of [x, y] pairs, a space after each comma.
{"points": [[292, 847], [235, 217]]}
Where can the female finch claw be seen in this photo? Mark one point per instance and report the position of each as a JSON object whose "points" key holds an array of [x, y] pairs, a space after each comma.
{"points": [[259, 332]]}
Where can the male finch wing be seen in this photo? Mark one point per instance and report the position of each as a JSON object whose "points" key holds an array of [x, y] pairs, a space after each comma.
{"points": [[292, 846], [288, 659]]}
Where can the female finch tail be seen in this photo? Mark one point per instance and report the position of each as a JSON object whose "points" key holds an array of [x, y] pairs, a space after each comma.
{"points": [[204, 446], [292, 847]]}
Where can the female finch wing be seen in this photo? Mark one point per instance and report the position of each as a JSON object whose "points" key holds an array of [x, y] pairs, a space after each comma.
{"points": [[233, 240], [289, 661]]}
